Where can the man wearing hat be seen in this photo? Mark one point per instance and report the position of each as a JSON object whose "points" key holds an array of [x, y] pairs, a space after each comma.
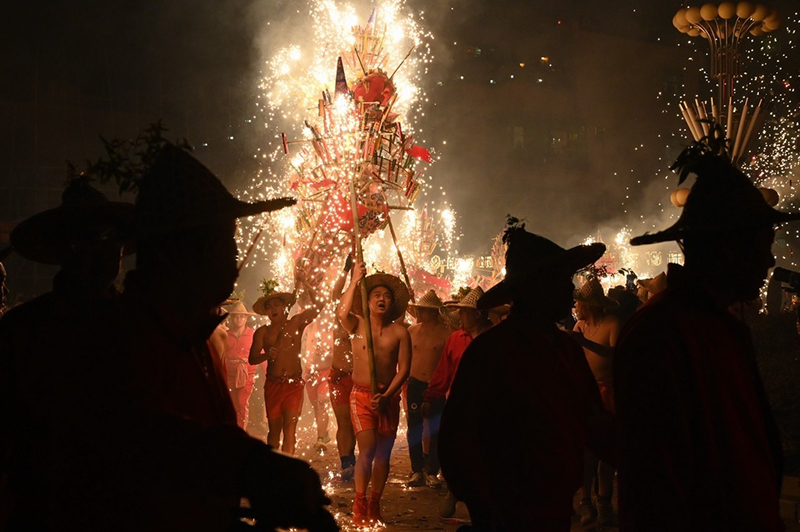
{"points": [[428, 337], [596, 331], [650, 287], [699, 449], [523, 404], [161, 450], [239, 373], [83, 236], [279, 343], [472, 323], [375, 417]]}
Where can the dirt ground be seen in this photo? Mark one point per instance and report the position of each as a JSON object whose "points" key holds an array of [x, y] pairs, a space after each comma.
{"points": [[417, 508], [404, 508]]}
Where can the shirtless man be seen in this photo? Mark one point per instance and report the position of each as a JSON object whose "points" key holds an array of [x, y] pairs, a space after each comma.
{"points": [[279, 344], [375, 417], [428, 337], [597, 331], [340, 384]]}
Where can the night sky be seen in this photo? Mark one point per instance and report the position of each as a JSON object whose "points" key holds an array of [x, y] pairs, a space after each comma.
{"points": [[76, 70]]}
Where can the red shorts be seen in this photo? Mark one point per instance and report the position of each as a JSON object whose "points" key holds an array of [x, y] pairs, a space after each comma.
{"points": [[340, 384], [283, 396], [607, 395], [367, 418]]}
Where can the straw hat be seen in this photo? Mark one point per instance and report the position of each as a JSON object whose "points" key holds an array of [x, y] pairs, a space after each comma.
{"points": [[428, 300], [179, 193], [239, 308], [398, 289], [260, 306], [468, 301], [592, 293], [722, 199], [656, 284], [528, 255], [40, 237]]}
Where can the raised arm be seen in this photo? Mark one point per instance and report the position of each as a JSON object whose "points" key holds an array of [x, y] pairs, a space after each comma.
{"points": [[257, 352], [338, 286], [348, 320]]}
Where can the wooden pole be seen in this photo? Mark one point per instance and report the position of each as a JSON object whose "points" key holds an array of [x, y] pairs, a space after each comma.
{"points": [[373, 379], [400, 256]]}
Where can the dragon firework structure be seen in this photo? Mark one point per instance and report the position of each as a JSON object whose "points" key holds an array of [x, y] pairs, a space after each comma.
{"points": [[351, 149]]}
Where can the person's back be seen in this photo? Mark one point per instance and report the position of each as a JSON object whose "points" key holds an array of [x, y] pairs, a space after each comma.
{"points": [[529, 422], [698, 447]]}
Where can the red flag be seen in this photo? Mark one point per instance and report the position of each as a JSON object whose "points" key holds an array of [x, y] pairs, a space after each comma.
{"points": [[418, 152]]}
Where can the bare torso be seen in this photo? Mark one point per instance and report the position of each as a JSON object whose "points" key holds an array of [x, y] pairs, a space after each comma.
{"points": [[386, 342], [284, 361], [342, 350], [604, 333], [427, 343]]}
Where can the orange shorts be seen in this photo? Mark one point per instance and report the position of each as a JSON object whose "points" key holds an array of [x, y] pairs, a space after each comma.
{"points": [[367, 418], [283, 396], [340, 384]]}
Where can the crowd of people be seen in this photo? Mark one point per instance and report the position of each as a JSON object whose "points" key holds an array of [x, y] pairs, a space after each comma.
{"points": [[518, 398]]}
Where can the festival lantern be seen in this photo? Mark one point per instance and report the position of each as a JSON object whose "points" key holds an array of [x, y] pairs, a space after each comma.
{"points": [[730, 128]]}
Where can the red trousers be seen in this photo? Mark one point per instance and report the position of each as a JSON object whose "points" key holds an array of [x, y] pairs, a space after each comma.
{"points": [[241, 399]]}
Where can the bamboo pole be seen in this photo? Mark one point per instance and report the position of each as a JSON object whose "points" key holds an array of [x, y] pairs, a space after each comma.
{"points": [[373, 378], [750, 128], [740, 131], [400, 256]]}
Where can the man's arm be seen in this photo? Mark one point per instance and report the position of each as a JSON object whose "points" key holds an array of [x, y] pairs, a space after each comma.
{"points": [[600, 349], [349, 321], [257, 352]]}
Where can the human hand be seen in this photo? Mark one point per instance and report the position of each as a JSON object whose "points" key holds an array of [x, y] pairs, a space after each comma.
{"points": [[380, 401], [359, 272], [272, 354], [425, 408]]}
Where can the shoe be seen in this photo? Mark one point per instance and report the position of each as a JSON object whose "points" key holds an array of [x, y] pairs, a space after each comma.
{"points": [[433, 481], [605, 512], [587, 512], [374, 513], [417, 479], [361, 512], [348, 473], [448, 506], [320, 447]]}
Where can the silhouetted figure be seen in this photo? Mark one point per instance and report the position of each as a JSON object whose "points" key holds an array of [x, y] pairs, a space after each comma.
{"points": [[524, 402], [698, 446], [83, 236], [147, 436]]}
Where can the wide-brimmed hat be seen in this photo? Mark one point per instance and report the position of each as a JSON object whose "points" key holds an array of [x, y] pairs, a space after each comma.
{"points": [[260, 306], [179, 193], [656, 284], [722, 199], [527, 256], [40, 237], [592, 293], [468, 301], [400, 295], [428, 300], [239, 308]]}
